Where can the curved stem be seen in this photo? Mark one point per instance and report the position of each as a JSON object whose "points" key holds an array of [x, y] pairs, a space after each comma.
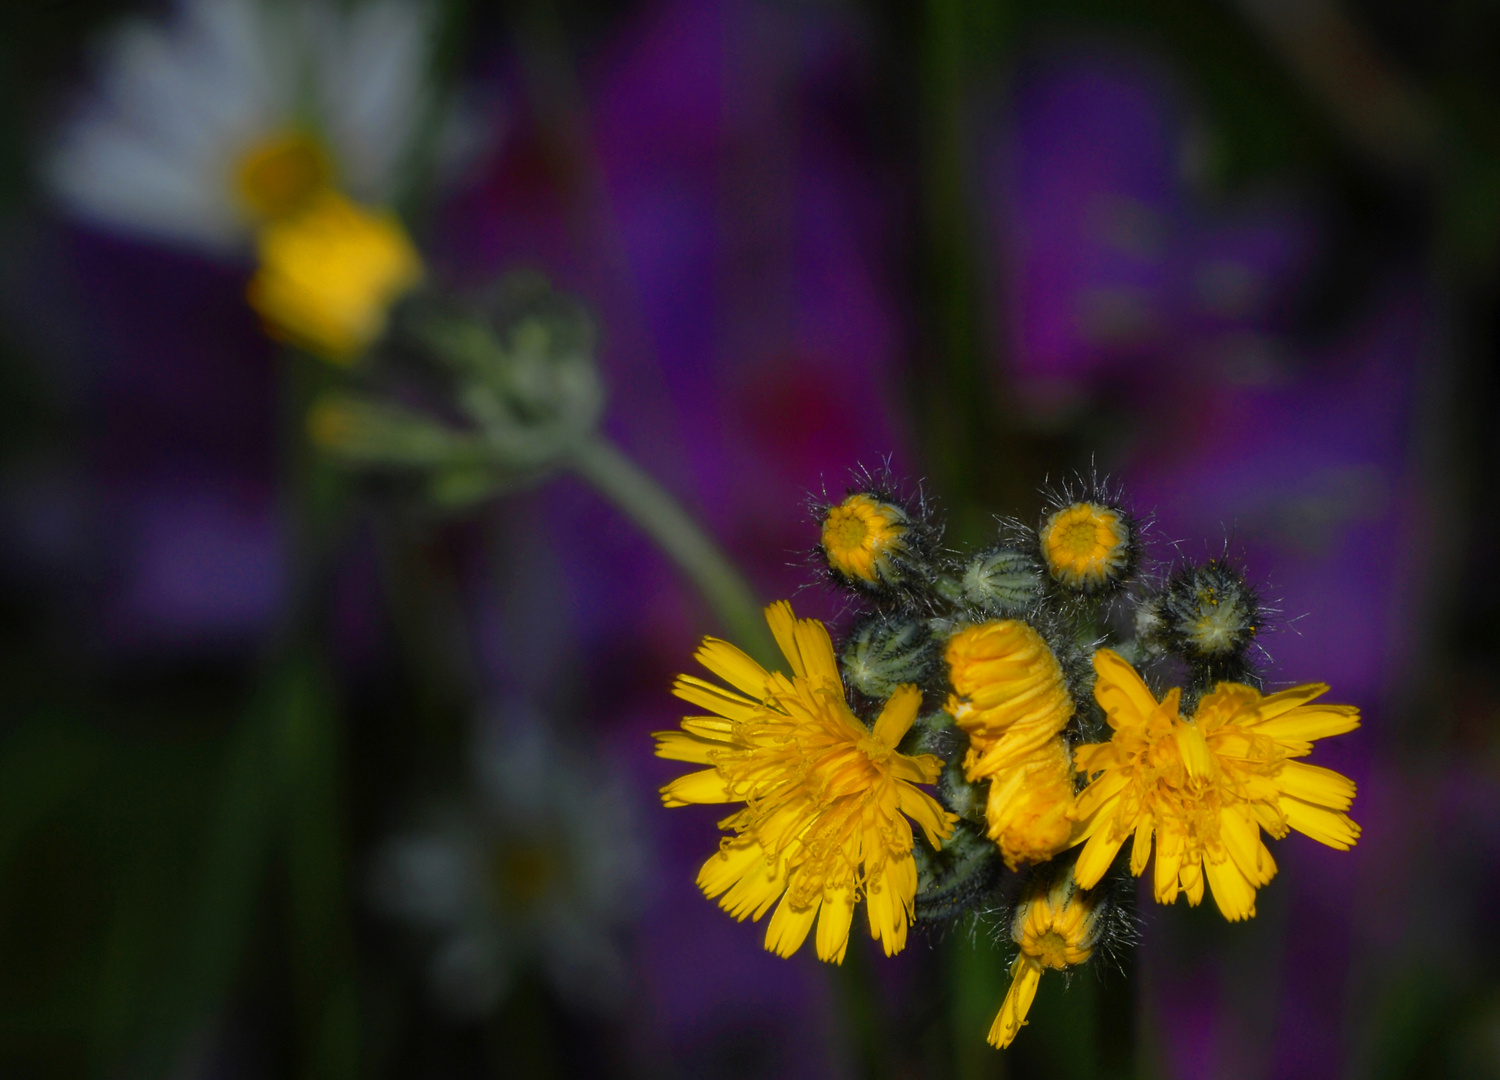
{"points": [[675, 531]]}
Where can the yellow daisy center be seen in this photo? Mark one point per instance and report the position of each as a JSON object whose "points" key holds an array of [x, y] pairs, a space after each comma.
{"points": [[282, 174], [1086, 545], [524, 873]]}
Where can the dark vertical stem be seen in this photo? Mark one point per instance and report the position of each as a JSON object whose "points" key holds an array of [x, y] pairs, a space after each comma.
{"points": [[951, 391], [308, 753]]}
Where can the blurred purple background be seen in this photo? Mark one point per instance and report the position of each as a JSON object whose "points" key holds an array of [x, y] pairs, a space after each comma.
{"points": [[1281, 353]]}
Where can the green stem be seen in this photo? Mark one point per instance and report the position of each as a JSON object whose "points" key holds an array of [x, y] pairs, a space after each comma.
{"points": [[651, 507]]}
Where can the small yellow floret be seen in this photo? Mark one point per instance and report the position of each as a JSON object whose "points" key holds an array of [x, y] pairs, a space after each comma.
{"points": [[281, 175], [1012, 701], [861, 534], [1086, 545], [827, 799], [1054, 929], [1205, 787], [329, 274]]}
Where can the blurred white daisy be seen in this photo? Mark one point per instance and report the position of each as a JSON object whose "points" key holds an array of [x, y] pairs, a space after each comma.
{"points": [[539, 872], [278, 127]]}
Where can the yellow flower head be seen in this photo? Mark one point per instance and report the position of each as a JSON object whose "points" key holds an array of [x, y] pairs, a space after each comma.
{"points": [[861, 538], [329, 274], [1055, 927], [1206, 787], [827, 799], [1087, 546], [1011, 699]]}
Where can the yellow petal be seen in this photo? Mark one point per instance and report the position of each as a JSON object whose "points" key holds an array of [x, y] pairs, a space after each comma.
{"points": [[1140, 849], [833, 924], [1284, 701], [1170, 845], [684, 746], [1307, 724], [1095, 858], [707, 786], [819, 664], [709, 727], [937, 824], [896, 717], [733, 666], [1024, 976], [916, 769], [1325, 826], [731, 863], [1190, 875], [1120, 691], [1317, 785], [756, 890], [1102, 791], [1196, 756], [783, 626], [716, 699], [1241, 837], [1232, 891], [789, 926]]}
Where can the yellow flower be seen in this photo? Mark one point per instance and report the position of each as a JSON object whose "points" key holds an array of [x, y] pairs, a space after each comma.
{"points": [[1011, 700], [1205, 787], [860, 536], [329, 273], [825, 796], [1055, 928], [1086, 546]]}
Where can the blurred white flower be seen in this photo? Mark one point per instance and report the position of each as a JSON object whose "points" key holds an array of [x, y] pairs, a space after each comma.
{"points": [[279, 126], [539, 872], [208, 122]]}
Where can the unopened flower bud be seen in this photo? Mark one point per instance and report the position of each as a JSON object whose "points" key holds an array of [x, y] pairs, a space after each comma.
{"points": [[1002, 582], [1207, 614], [956, 878], [864, 539], [526, 371], [884, 652], [1089, 547], [1056, 925]]}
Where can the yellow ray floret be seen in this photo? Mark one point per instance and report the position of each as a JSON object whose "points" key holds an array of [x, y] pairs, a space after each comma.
{"points": [[1011, 700], [1054, 928], [861, 535], [1204, 788], [826, 798], [330, 272], [1086, 545]]}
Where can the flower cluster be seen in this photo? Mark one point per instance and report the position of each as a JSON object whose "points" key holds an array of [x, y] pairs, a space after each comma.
{"points": [[1060, 692]]}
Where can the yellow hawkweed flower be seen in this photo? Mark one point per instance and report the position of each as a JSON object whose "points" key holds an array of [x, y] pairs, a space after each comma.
{"points": [[1205, 787], [1011, 699], [825, 796], [1056, 928], [329, 273], [1086, 546], [860, 537]]}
